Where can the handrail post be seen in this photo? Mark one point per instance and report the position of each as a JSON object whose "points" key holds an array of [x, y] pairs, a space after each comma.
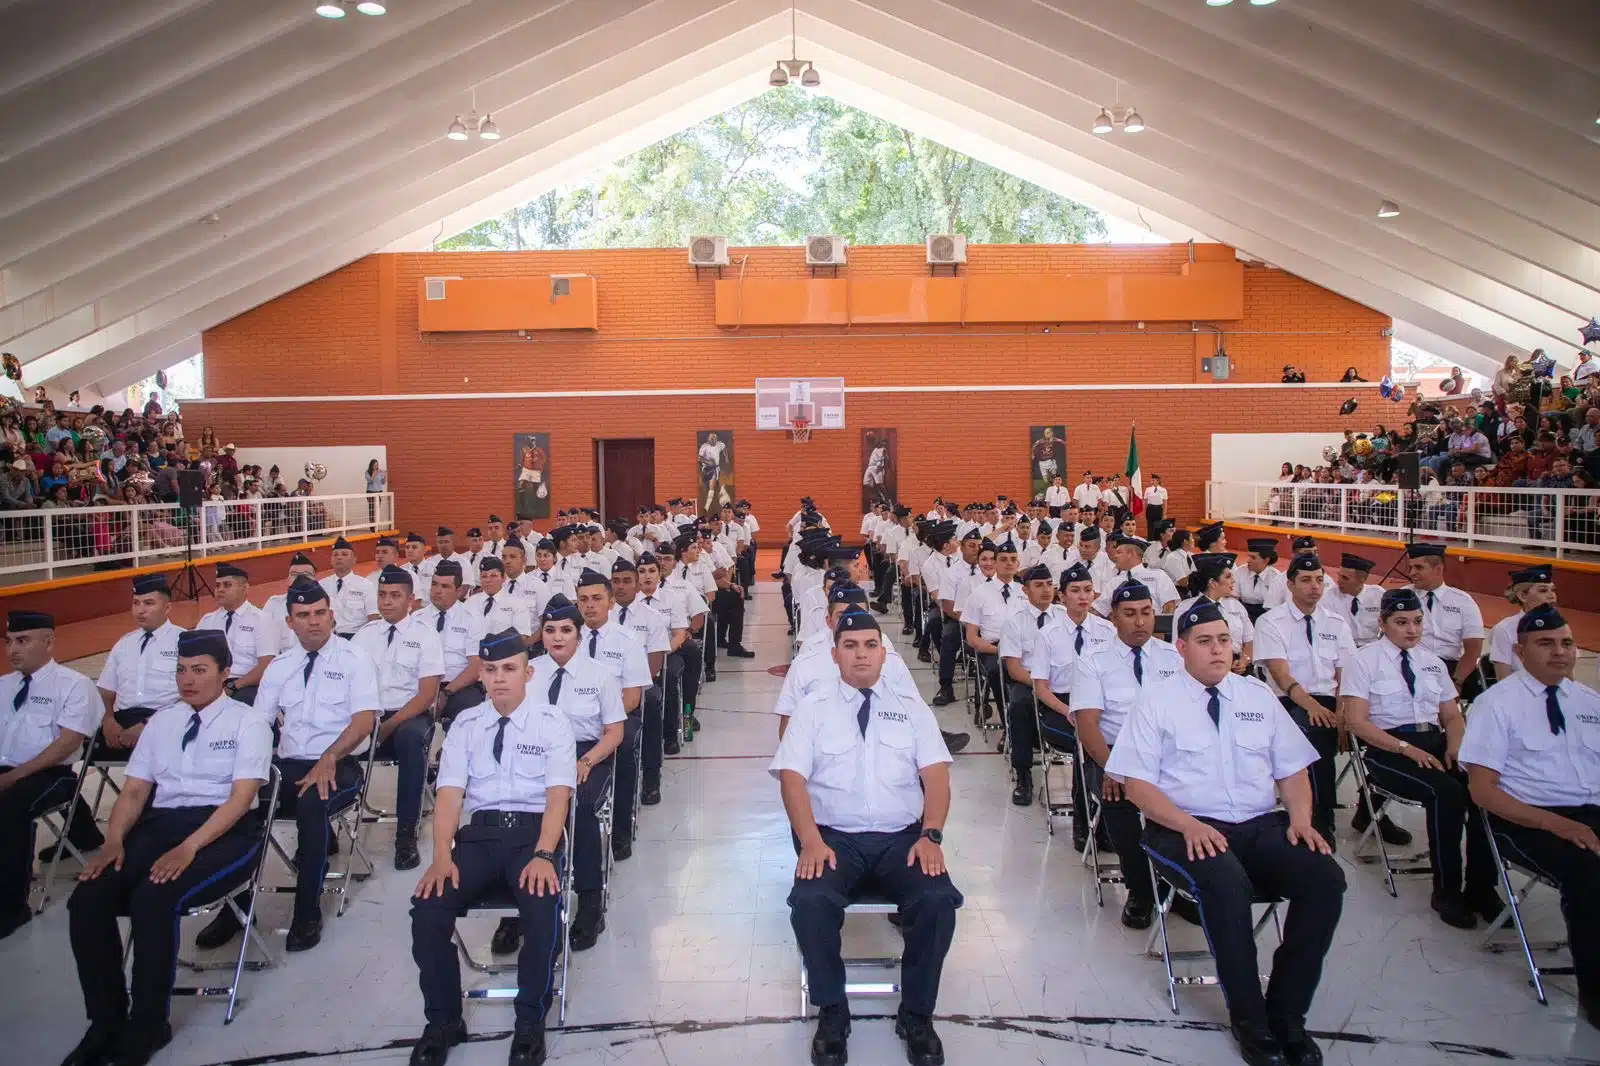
{"points": [[1559, 533], [49, 545]]}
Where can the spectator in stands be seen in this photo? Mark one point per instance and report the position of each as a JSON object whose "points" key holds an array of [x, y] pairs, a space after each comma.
{"points": [[17, 490], [1455, 384], [1351, 375], [1513, 465], [166, 485], [62, 430], [1468, 445], [1506, 377], [57, 477], [1293, 375], [1582, 513], [1286, 473], [1586, 369]]}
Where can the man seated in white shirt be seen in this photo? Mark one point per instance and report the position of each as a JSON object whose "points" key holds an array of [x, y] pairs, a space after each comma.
{"points": [[252, 637]]}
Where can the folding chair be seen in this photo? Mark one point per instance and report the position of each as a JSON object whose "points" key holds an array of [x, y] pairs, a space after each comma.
{"points": [[868, 904], [1513, 913], [371, 815], [246, 917], [1168, 956], [1051, 757], [605, 812], [1105, 871], [62, 811], [499, 902], [981, 694], [1366, 790]]}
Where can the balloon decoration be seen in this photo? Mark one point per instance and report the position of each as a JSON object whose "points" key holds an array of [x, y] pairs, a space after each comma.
{"points": [[40, 396], [1348, 407], [13, 367], [9, 407], [95, 439], [1386, 387], [1398, 394], [316, 471], [1362, 447], [161, 380], [1591, 332], [1330, 454]]}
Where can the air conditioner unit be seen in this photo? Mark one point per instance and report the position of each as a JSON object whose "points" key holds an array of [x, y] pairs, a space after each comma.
{"points": [[825, 251], [946, 249], [708, 251]]}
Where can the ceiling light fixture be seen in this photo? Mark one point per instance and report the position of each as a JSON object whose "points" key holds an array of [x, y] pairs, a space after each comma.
{"points": [[1388, 209], [373, 7], [785, 70], [487, 130], [1115, 116], [464, 126], [1103, 124], [331, 9], [1133, 123], [1262, 3], [457, 130], [1218, 3]]}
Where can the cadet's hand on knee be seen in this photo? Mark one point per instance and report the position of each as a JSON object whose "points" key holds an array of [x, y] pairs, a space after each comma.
{"points": [[1323, 717], [320, 777], [434, 878], [172, 864], [583, 771], [928, 855], [1111, 790], [539, 878], [1304, 834], [1203, 842], [1575, 832], [814, 857], [109, 855]]}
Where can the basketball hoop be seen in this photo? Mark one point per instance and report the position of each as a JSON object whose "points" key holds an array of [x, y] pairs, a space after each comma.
{"points": [[800, 432]]}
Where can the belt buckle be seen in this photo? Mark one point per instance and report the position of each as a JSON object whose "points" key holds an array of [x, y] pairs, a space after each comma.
{"points": [[508, 819]]}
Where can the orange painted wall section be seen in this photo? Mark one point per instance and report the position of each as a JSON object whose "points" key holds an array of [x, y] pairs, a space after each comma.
{"points": [[485, 305], [1200, 291]]}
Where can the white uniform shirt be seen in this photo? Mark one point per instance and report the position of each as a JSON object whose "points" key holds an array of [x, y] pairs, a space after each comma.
{"points": [[589, 693], [698, 575], [1227, 770], [469, 573], [234, 744], [1162, 590], [1177, 565], [146, 677], [670, 605], [494, 547], [1503, 641], [1281, 634], [1240, 628], [861, 784], [1452, 618], [1021, 630], [275, 616], [1102, 571], [1363, 611], [403, 660], [1057, 496], [344, 682], [1508, 731], [687, 596], [1104, 681], [537, 752], [649, 626], [1086, 495], [1373, 674], [1155, 496], [469, 567], [615, 648], [352, 598], [459, 637], [813, 665], [957, 576], [508, 611], [251, 636], [1266, 589], [990, 603], [1054, 657], [934, 569], [58, 698]]}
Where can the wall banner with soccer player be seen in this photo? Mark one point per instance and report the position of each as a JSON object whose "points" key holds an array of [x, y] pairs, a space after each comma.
{"points": [[1048, 447], [715, 452], [880, 467]]}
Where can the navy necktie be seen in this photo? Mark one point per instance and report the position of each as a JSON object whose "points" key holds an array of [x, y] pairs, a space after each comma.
{"points": [[1077, 643], [338, 585], [864, 714], [1355, 605], [438, 624], [1039, 622], [311, 662], [513, 586], [594, 638], [144, 642], [1552, 710], [1406, 671], [500, 736], [22, 693], [555, 684], [228, 622], [544, 575], [1005, 593], [1430, 602], [192, 732], [393, 629], [1214, 705], [1138, 665], [488, 605], [1311, 640], [622, 618]]}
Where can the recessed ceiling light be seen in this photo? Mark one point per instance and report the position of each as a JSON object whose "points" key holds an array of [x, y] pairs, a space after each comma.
{"points": [[1388, 209], [328, 9]]}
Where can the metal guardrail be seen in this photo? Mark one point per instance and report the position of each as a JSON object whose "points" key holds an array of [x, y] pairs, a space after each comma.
{"points": [[1554, 521], [44, 544]]}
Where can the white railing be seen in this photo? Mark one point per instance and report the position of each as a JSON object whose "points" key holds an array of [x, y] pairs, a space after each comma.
{"points": [[1558, 521], [44, 544]]}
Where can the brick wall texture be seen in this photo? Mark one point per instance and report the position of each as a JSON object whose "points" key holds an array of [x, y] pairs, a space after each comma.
{"points": [[354, 333]]}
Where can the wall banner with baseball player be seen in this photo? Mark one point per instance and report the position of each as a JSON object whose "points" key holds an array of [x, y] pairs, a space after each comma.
{"points": [[714, 449], [1047, 445], [880, 467], [530, 456]]}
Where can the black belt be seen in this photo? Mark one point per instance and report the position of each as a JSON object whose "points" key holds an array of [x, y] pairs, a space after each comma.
{"points": [[1420, 727], [507, 819]]}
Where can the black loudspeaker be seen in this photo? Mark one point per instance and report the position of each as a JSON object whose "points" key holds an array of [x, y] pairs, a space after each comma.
{"points": [[191, 488], [1408, 471]]}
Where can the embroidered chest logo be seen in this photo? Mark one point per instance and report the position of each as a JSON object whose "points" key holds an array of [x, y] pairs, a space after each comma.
{"points": [[1249, 716], [1589, 719], [586, 690], [224, 745], [415, 645], [332, 675], [531, 749], [1165, 672], [893, 716]]}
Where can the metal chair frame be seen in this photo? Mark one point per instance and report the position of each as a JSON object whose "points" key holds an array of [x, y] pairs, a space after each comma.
{"points": [[870, 904], [564, 928], [371, 815], [1050, 756], [1512, 913], [1106, 872], [1366, 790], [1169, 956], [63, 810]]}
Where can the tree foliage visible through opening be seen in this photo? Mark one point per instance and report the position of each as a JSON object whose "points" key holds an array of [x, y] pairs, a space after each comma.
{"points": [[786, 164]]}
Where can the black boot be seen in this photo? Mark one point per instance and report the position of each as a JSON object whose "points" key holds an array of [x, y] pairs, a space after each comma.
{"points": [[1453, 910], [507, 937], [589, 922], [1022, 795], [1298, 1048], [1257, 1045], [95, 1045], [14, 920], [670, 746], [304, 934], [1137, 913], [527, 1045], [954, 742], [922, 1043], [651, 795], [1486, 903], [221, 929], [437, 1040], [830, 1045], [739, 651], [406, 856]]}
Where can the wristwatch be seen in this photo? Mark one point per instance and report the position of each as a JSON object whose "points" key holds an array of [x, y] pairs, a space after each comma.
{"points": [[1403, 746], [934, 835], [547, 856]]}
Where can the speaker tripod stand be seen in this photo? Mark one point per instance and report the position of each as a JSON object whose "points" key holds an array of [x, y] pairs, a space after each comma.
{"points": [[191, 582], [1409, 482]]}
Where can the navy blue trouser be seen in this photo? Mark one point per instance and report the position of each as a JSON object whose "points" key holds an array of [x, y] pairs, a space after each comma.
{"points": [[20, 806], [1576, 873]]}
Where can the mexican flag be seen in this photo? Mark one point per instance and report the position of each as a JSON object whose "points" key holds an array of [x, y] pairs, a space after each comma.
{"points": [[1134, 475]]}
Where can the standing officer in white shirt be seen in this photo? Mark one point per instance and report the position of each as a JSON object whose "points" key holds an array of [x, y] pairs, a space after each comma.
{"points": [[460, 630], [685, 611], [47, 711], [1094, 553], [1261, 584], [409, 658], [652, 629], [494, 540], [1530, 588], [1206, 757], [1155, 503], [1360, 601], [354, 598], [1018, 636], [416, 559], [276, 610], [1400, 703], [1087, 494], [252, 637], [1127, 555], [1057, 496], [865, 779], [1452, 624], [1532, 753], [1108, 684], [1303, 644], [613, 646], [181, 833], [508, 766], [959, 571], [327, 692], [499, 608], [476, 553]]}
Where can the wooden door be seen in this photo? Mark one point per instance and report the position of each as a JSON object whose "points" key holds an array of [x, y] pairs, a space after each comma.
{"points": [[625, 475]]}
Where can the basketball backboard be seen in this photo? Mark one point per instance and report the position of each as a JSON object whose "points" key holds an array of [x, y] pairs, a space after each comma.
{"points": [[818, 401]]}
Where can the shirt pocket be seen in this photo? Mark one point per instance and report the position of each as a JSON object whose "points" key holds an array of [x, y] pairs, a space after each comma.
{"points": [[1252, 754], [1120, 699], [897, 752]]}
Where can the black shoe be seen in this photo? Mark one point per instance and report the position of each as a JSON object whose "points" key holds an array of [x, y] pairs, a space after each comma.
{"points": [[139, 1045], [924, 656], [621, 849], [94, 1046], [1486, 903], [437, 1040], [1257, 1046], [406, 856], [589, 922], [711, 673], [954, 742], [527, 1046], [1080, 839], [906, 631], [650, 797], [221, 929], [1453, 910], [304, 935], [830, 1045], [1393, 835], [922, 1043], [1187, 909], [739, 651], [1298, 1048], [1590, 1009], [507, 937], [669, 747], [944, 699], [15, 920], [1022, 795], [1137, 913]]}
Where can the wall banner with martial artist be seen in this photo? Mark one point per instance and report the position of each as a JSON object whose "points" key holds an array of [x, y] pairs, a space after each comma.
{"points": [[715, 453], [1048, 447], [530, 453], [880, 467]]}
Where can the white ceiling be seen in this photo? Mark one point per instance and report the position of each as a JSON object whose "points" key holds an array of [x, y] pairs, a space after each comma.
{"points": [[1275, 129]]}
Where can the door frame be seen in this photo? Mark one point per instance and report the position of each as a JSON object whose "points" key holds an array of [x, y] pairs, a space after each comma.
{"points": [[599, 445]]}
